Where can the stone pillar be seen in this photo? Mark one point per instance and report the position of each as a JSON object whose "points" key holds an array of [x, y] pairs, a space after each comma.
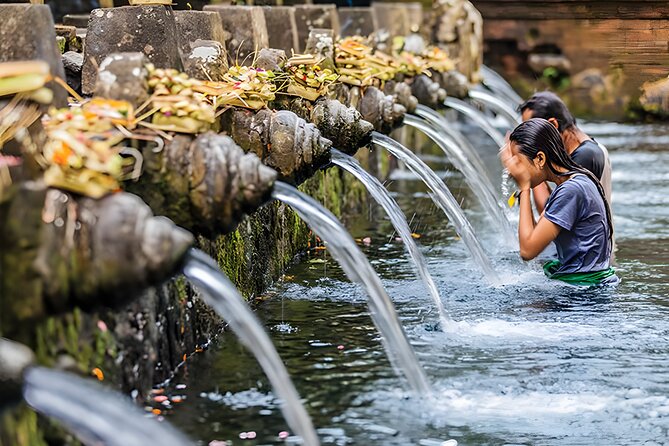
{"points": [[248, 30], [27, 32], [392, 19], [281, 28], [358, 21], [199, 25], [457, 27], [309, 17], [151, 30]]}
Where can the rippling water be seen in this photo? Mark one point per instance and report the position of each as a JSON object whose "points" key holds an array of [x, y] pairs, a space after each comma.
{"points": [[531, 362]]}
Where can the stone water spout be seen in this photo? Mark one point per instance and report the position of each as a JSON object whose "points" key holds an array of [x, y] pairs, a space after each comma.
{"points": [[60, 250], [342, 125], [205, 183], [281, 139], [382, 110]]}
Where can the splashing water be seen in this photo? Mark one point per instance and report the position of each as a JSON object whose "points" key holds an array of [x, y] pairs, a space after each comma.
{"points": [[399, 222], [497, 105], [444, 199], [498, 85], [482, 121], [358, 269], [475, 180], [477, 117], [468, 151], [94, 414], [222, 295]]}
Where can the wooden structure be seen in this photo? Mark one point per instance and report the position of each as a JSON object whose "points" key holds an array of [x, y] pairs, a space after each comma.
{"points": [[627, 41]]}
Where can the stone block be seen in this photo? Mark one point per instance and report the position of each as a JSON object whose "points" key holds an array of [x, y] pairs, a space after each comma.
{"points": [[199, 25], [248, 30], [392, 18], [150, 30], [207, 60], [281, 28], [321, 43], [122, 76], [357, 21], [271, 59], [27, 33], [73, 63], [76, 20], [309, 17]]}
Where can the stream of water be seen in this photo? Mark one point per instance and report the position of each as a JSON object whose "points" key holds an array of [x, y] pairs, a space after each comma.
{"points": [[497, 105], [222, 295], [466, 150], [343, 248], [531, 363], [498, 85], [399, 221], [477, 117], [93, 413], [476, 180], [444, 199]]}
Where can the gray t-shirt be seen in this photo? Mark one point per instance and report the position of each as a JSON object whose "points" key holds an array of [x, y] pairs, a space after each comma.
{"points": [[594, 157], [578, 208]]}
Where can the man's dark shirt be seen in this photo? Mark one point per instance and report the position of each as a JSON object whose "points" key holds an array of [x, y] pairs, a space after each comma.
{"points": [[590, 156]]}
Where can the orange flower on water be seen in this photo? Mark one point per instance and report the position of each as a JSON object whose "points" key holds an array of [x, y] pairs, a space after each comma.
{"points": [[62, 154], [98, 374]]}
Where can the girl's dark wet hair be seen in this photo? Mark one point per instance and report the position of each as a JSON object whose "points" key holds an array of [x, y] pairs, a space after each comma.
{"points": [[548, 105], [538, 135]]}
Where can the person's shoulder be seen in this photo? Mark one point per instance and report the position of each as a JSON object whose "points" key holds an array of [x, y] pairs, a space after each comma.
{"points": [[587, 149]]}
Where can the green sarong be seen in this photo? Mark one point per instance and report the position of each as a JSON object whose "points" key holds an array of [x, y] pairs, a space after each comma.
{"points": [[584, 279]]}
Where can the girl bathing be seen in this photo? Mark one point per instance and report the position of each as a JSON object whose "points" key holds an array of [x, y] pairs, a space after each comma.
{"points": [[576, 217]]}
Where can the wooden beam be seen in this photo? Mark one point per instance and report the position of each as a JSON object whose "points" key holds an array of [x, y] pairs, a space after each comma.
{"points": [[572, 9]]}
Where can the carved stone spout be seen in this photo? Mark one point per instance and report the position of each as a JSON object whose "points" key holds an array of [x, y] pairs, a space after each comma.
{"points": [[284, 141], [206, 184], [60, 250], [340, 124]]}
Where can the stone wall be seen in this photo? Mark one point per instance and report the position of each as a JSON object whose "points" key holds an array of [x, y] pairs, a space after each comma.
{"points": [[611, 48]]}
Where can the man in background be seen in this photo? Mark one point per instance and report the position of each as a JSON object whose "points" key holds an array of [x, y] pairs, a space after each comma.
{"points": [[584, 150]]}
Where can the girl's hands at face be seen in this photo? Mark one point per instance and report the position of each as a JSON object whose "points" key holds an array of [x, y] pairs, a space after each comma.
{"points": [[516, 166]]}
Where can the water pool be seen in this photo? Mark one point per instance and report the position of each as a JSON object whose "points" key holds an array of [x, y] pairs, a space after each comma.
{"points": [[531, 362]]}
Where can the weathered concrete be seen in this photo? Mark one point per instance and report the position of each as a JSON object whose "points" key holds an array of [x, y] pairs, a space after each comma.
{"points": [[27, 33], [207, 60], [150, 30], [357, 21], [248, 30], [309, 17], [321, 43], [282, 28], [271, 59], [199, 25], [73, 63], [392, 18], [457, 27], [76, 20], [122, 76]]}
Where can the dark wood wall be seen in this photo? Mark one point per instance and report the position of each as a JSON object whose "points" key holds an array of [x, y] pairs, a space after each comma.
{"points": [[628, 37]]}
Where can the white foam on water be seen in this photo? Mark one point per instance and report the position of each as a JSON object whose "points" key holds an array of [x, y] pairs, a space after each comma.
{"points": [[530, 406], [498, 328]]}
